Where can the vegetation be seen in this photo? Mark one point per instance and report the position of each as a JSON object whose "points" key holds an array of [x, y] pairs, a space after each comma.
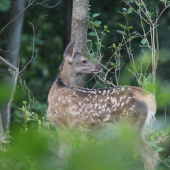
{"points": [[129, 53]]}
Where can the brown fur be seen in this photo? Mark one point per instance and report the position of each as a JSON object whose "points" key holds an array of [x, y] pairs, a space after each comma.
{"points": [[70, 106]]}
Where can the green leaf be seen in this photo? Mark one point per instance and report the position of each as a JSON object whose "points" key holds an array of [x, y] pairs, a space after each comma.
{"points": [[2, 130], [128, 28], [129, 1], [24, 102], [121, 32], [89, 40], [159, 149], [144, 41], [89, 46], [98, 47], [121, 25], [124, 13], [92, 33], [134, 32], [124, 9], [129, 10], [153, 144], [95, 15], [97, 22]]}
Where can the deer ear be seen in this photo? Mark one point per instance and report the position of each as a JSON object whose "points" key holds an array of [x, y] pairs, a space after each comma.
{"points": [[69, 51]]}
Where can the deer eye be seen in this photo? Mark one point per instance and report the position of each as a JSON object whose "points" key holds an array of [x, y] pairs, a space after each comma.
{"points": [[84, 61]]}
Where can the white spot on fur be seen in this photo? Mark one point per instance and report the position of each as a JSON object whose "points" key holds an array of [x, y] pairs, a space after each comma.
{"points": [[107, 117], [108, 109], [114, 101], [104, 92], [114, 109]]}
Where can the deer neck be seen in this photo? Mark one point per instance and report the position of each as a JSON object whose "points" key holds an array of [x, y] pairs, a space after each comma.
{"points": [[66, 74]]}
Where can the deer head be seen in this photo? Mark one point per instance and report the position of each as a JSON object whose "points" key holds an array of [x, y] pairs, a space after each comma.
{"points": [[75, 63]]}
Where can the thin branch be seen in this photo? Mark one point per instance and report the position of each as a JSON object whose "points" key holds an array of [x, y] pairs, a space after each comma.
{"points": [[7, 63], [157, 157], [136, 12], [17, 16], [161, 13], [145, 13], [1, 127], [33, 51], [11, 99], [106, 81], [45, 4]]}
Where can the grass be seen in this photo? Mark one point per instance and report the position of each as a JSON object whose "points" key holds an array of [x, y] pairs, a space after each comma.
{"points": [[37, 147]]}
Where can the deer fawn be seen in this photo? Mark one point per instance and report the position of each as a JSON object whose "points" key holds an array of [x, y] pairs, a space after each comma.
{"points": [[70, 105]]}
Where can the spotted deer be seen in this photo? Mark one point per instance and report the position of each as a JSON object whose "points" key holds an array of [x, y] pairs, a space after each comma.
{"points": [[70, 105]]}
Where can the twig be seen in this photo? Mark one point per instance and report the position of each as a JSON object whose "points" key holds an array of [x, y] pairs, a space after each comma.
{"points": [[32, 57], [1, 127], [136, 12], [46, 5], [7, 63], [161, 13], [11, 99], [158, 158], [13, 91], [17, 16]]}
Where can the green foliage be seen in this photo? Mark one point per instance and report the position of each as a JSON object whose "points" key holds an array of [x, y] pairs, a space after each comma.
{"points": [[28, 115], [5, 5], [35, 146], [93, 25]]}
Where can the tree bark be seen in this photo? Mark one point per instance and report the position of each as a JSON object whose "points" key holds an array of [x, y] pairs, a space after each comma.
{"points": [[67, 13], [80, 18], [13, 44], [15, 29]]}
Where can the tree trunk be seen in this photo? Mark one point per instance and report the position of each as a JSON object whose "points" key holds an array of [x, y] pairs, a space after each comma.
{"points": [[15, 29], [67, 13], [80, 18], [13, 44]]}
